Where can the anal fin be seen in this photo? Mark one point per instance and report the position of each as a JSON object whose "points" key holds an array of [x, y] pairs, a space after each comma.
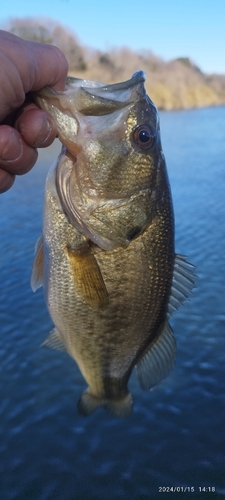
{"points": [[38, 265], [54, 341], [158, 361], [87, 277]]}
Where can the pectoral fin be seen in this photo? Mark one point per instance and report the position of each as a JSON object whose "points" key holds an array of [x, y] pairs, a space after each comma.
{"points": [[38, 265], [87, 277], [158, 361]]}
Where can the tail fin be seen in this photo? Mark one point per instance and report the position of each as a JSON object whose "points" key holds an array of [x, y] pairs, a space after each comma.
{"points": [[121, 407]]}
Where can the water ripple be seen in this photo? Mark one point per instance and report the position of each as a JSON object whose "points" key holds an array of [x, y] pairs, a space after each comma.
{"points": [[176, 432]]}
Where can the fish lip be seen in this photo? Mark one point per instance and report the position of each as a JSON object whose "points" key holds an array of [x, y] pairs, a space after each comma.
{"points": [[137, 77], [124, 93]]}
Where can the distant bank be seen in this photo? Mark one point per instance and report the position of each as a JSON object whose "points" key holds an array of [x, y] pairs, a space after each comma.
{"points": [[175, 84]]}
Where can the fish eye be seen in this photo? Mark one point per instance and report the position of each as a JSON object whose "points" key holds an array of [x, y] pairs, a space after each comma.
{"points": [[143, 136]]}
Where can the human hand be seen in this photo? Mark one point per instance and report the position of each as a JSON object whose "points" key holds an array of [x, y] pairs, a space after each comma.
{"points": [[25, 67]]}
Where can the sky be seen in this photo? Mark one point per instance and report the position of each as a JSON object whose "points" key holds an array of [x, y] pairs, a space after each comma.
{"points": [[169, 28]]}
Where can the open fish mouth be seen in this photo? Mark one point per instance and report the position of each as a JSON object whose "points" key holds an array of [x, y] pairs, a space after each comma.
{"points": [[89, 97], [74, 109]]}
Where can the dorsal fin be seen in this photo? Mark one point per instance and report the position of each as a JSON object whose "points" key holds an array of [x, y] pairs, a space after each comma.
{"points": [[182, 284], [157, 363]]}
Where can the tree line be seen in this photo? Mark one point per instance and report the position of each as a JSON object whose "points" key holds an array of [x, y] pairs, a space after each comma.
{"points": [[175, 84]]}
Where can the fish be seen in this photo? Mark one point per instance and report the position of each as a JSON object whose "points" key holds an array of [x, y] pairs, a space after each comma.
{"points": [[106, 255]]}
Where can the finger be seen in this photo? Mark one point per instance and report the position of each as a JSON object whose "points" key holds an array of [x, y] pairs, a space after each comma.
{"points": [[16, 156], [6, 180], [36, 127], [38, 64], [50, 67], [27, 66]]}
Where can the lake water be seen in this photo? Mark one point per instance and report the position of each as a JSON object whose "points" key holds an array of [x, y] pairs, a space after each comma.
{"points": [[176, 433]]}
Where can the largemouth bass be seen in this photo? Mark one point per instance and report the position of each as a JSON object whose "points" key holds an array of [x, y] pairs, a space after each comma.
{"points": [[106, 257]]}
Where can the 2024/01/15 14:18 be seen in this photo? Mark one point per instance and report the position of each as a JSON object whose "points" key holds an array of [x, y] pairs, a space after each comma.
{"points": [[184, 489]]}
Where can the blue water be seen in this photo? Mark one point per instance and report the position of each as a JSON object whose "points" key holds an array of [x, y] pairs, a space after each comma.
{"points": [[176, 433]]}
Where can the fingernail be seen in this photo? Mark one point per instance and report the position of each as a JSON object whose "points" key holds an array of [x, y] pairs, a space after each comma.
{"points": [[13, 149]]}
